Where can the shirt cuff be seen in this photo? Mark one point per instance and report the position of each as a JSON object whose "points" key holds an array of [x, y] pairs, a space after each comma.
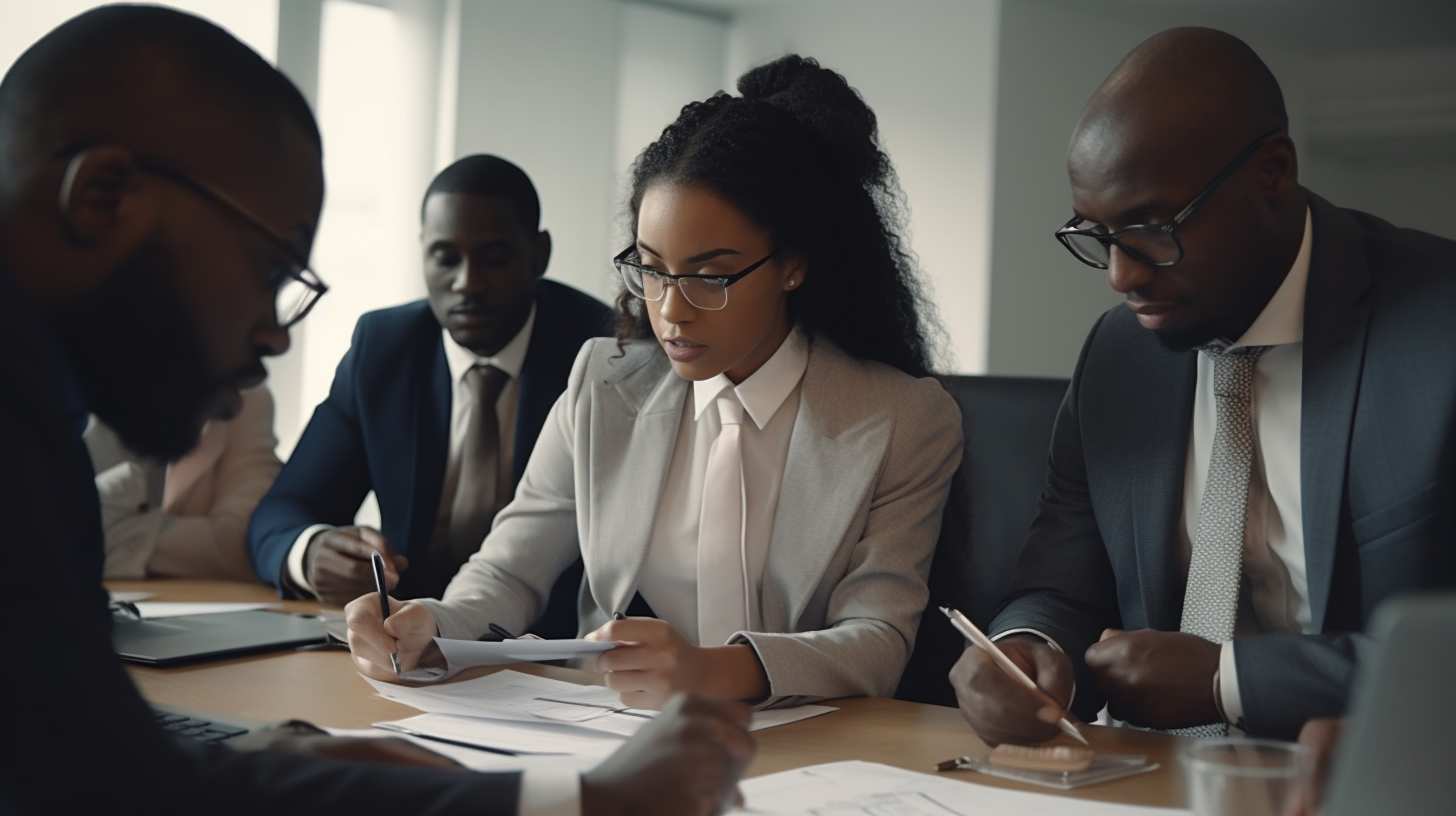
{"points": [[1228, 674], [294, 564], [1050, 642], [549, 792]]}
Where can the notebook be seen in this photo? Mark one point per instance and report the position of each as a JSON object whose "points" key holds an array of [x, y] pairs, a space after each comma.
{"points": [[204, 637]]}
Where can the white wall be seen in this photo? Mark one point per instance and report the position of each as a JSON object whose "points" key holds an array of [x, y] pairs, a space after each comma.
{"points": [[928, 70], [22, 22], [538, 86], [1054, 54], [1382, 134]]}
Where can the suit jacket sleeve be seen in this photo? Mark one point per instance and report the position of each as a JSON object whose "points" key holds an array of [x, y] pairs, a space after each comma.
{"points": [[84, 722], [533, 539], [874, 609], [1063, 585], [212, 543], [326, 478], [1285, 680]]}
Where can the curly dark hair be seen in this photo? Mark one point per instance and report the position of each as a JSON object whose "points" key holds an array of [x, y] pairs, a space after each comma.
{"points": [[798, 153]]}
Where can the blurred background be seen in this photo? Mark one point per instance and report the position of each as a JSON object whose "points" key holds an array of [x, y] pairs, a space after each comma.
{"points": [[975, 98]]}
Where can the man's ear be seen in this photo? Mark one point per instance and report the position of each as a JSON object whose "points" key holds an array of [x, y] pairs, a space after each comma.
{"points": [[99, 196], [1278, 166], [543, 252]]}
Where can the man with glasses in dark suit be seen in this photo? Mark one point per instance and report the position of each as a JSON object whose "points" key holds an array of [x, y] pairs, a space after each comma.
{"points": [[1256, 449], [160, 185]]}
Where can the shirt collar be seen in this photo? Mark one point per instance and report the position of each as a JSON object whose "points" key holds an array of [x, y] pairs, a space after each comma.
{"points": [[764, 390], [1282, 321], [509, 359]]}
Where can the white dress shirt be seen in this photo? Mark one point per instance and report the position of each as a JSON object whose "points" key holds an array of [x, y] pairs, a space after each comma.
{"points": [[510, 359], [770, 398], [1274, 590]]}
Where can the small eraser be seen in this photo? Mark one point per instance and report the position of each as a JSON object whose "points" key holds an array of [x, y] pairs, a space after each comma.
{"points": [[1050, 758]]}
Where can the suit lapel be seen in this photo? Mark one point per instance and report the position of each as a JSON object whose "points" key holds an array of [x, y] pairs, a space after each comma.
{"points": [[1139, 465], [827, 484], [634, 424], [1335, 323], [1160, 412], [426, 411]]}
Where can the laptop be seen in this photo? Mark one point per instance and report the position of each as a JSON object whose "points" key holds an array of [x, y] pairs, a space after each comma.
{"points": [[167, 641], [1396, 750]]}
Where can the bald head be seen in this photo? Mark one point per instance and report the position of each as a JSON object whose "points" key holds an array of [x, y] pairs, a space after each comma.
{"points": [[1193, 95], [163, 83], [1184, 147]]}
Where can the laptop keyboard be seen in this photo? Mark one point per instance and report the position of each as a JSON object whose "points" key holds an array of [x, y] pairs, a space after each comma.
{"points": [[198, 729]]}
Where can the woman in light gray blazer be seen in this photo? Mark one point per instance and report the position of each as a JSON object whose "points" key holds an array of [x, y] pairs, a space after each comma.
{"points": [[754, 470]]}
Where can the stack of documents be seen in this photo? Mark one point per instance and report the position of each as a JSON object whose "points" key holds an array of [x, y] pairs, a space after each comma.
{"points": [[868, 789], [513, 713]]}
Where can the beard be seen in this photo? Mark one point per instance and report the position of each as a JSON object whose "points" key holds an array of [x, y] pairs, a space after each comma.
{"points": [[139, 357]]}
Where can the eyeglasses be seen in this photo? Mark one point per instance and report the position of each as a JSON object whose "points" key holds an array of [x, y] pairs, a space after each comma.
{"points": [[296, 287], [709, 292], [1152, 244]]}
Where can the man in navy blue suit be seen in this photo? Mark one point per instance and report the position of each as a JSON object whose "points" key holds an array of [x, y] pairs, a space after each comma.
{"points": [[436, 407]]}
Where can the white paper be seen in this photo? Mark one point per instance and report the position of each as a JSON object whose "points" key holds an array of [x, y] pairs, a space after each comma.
{"points": [[513, 695], [869, 789], [508, 735], [463, 654], [479, 760], [168, 609], [783, 716], [131, 596]]}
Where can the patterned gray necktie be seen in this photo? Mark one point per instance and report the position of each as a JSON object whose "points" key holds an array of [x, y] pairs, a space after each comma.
{"points": [[1210, 603]]}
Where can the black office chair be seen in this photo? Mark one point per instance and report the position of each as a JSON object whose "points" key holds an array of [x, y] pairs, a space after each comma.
{"points": [[1007, 422]]}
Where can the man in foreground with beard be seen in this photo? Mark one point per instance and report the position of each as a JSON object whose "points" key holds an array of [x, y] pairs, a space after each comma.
{"points": [[159, 190]]}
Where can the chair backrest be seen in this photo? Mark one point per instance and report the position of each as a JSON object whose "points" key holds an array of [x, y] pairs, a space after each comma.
{"points": [[1007, 423]]}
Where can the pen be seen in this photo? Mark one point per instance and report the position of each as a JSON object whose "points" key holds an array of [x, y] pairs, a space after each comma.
{"points": [[378, 561], [505, 634], [976, 636]]}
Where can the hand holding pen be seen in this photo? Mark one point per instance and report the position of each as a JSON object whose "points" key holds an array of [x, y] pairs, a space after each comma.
{"points": [[1010, 691], [388, 637]]}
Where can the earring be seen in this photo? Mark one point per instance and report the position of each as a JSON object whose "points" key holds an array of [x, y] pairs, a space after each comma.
{"points": [[792, 283]]}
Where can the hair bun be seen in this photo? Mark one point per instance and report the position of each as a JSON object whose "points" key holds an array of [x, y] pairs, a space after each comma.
{"points": [[824, 102]]}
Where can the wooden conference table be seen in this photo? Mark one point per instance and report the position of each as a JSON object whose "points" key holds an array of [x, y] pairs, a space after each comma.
{"points": [[322, 687]]}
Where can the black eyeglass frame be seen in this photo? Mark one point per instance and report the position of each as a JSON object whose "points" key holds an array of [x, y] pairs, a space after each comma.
{"points": [[1108, 239], [299, 269], [621, 259]]}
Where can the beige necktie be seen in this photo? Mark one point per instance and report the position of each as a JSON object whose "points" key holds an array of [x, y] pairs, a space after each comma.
{"points": [[722, 600], [1211, 600], [482, 487]]}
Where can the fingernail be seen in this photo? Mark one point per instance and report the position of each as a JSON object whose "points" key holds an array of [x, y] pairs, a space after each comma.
{"points": [[1047, 714]]}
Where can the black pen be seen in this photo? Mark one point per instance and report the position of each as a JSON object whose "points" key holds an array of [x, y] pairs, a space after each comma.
{"points": [[378, 561]]}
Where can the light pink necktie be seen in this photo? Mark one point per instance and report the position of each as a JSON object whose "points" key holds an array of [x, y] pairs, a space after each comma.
{"points": [[722, 605]]}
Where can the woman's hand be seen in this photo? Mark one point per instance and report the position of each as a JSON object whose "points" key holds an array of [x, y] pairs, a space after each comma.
{"points": [[410, 630], [653, 661]]}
